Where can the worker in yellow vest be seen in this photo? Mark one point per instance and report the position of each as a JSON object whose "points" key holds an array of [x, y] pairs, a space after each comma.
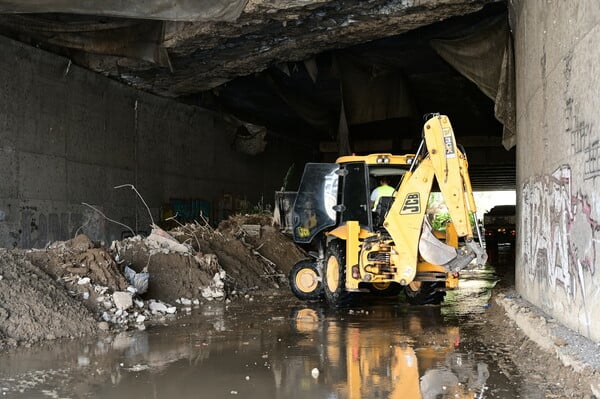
{"points": [[384, 190]]}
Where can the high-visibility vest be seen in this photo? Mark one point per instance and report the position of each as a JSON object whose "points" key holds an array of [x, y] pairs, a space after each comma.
{"points": [[381, 191]]}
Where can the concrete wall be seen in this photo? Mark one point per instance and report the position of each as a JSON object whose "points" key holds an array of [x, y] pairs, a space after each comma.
{"points": [[558, 158], [69, 136]]}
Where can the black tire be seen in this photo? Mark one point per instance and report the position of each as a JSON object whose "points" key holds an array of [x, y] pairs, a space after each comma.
{"points": [[334, 273], [425, 293], [385, 289], [305, 281]]}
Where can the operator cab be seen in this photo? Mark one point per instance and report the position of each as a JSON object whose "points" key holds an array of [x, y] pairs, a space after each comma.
{"points": [[394, 174], [332, 194]]}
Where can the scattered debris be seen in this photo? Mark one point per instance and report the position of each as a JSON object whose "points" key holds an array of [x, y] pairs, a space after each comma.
{"points": [[78, 287]]}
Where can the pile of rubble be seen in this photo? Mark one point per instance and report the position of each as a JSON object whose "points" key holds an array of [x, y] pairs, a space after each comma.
{"points": [[76, 287]]}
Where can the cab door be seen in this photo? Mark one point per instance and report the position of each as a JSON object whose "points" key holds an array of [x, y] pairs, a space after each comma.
{"points": [[356, 204], [314, 207]]}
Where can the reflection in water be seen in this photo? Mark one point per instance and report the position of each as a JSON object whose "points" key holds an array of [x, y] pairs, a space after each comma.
{"points": [[386, 352], [381, 349]]}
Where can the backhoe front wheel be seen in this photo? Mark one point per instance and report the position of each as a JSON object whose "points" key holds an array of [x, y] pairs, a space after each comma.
{"points": [[305, 281], [334, 273], [425, 293]]}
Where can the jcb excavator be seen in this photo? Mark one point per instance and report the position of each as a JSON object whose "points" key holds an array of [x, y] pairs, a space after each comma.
{"points": [[394, 248]]}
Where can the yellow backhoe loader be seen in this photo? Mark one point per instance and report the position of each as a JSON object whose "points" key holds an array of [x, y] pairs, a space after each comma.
{"points": [[393, 248]]}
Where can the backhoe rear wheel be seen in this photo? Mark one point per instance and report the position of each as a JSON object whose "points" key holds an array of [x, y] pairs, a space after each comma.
{"points": [[305, 281], [334, 273], [425, 293]]}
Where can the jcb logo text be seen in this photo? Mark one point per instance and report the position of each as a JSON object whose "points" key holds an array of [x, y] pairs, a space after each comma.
{"points": [[412, 204]]}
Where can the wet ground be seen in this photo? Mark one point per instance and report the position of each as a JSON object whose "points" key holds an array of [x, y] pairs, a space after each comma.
{"points": [[277, 348]]}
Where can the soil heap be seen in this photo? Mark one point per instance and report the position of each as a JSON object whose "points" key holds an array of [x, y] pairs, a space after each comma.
{"points": [[73, 288]]}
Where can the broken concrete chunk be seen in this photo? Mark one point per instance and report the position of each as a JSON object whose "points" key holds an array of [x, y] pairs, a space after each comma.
{"points": [[160, 239], [157, 307], [185, 301], [122, 300]]}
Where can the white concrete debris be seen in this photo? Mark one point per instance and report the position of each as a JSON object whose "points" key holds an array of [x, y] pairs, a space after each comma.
{"points": [[140, 319], [83, 281], [122, 299], [215, 289], [161, 307], [185, 301], [157, 307], [161, 241], [100, 289], [171, 309]]}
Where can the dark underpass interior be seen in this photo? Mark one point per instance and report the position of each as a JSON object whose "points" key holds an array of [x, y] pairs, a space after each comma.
{"points": [[334, 95]]}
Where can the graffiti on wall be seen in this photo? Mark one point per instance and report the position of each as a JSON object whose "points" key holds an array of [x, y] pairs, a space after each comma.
{"points": [[37, 229], [559, 237], [583, 141]]}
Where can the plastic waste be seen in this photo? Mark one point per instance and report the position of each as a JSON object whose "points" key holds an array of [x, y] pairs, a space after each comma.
{"points": [[138, 280]]}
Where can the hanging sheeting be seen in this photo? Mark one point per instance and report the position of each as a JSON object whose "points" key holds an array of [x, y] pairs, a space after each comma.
{"points": [[343, 136], [113, 36], [305, 107], [484, 55], [167, 10], [372, 91]]}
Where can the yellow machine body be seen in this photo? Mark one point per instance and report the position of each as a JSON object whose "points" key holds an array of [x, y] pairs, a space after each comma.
{"points": [[399, 260]]}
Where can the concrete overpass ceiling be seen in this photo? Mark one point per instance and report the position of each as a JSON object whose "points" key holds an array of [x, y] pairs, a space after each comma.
{"points": [[284, 64]]}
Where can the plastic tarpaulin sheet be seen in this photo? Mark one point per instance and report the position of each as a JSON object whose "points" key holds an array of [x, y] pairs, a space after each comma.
{"points": [[372, 91], [108, 36], [485, 56], [168, 10]]}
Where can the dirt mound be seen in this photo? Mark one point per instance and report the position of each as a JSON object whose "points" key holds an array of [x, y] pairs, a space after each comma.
{"points": [[195, 260], [270, 243], [173, 275], [34, 307], [74, 287], [254, 255], [78, 257]]}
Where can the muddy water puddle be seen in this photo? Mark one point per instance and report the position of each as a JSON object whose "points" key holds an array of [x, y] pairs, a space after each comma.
{"points": [[275, 348]]}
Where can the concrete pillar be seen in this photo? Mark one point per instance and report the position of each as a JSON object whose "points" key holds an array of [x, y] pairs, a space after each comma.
{"points": [[557, 59]]}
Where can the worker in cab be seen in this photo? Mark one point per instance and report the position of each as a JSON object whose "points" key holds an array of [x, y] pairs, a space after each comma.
{"points": [[384, 190]]}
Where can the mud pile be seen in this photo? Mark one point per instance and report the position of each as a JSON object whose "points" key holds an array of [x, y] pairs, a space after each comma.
{"points": [[212, 263], [34, 306], [76, 287]]}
